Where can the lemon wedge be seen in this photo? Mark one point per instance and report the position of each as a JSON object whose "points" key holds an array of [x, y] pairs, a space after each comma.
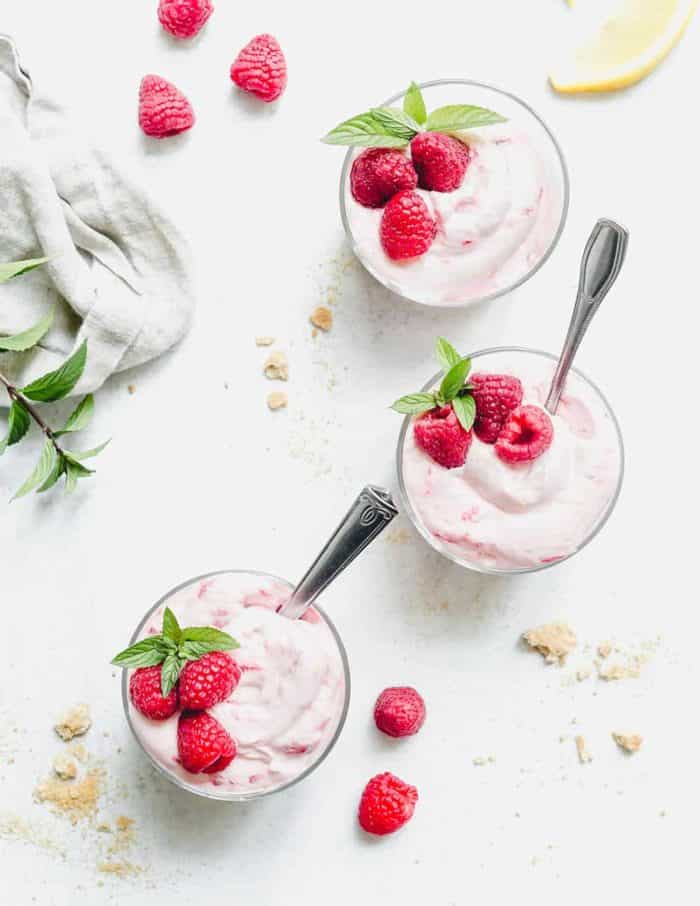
{"points": [[629, 42]]}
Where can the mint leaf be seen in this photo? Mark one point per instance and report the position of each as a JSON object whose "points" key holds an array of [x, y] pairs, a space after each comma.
{"points": [[171, 627], [74, 471], [453, 381], [192, 651], [80, 417], [18, 421], [446, 354], [465, 410], [146, 653], [20, 341], [414, 403], [54, 474], [456, 117], [396, 122], [363, 130], [169, 673], [57, 384], [42, 471], [211, 636], [88, 454], [414, 105], [15, 268]]}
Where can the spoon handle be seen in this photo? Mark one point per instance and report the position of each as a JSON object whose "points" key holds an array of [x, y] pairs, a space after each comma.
{"points": [[600, 265], [369, 515]]}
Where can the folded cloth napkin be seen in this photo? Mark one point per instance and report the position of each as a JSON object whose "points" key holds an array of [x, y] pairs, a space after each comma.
{"points": [[118, 274]]}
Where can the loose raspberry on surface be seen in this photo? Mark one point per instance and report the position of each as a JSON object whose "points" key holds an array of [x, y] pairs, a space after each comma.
{"points": [[526, 435], [387, 803], [496, 396], [440, 161], [163, 109], [377, 174], [208, 681], [203, 745], [399, 711], [261, 69], [184, 18], [407, 229], [443, 438], [146, 696]]}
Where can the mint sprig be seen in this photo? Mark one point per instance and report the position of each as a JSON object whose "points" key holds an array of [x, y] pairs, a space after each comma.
{"points": [[454, 388], [54, 460], [173, 648], [391, 127]]}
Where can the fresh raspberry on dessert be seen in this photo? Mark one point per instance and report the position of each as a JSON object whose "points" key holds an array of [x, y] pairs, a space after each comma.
{"points": [[146, 696], [184, 18], [526, 435], [399, 711], [387, 803], [204, 747], [163, 109], [495, 395], [260, 68], [379, 173], [440, 161], [440, 434], [407, 230], [208, 681]]}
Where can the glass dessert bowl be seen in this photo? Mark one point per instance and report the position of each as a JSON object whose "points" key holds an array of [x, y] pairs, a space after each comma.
{"points": [[290, 701], [499, 517], [493, 231]]}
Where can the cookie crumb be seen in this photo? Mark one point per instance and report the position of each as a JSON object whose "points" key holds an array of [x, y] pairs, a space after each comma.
{"points": [[482, 760], [584, 756], [620, 671], [78, 750], [131, 388], [554, 641], [582, 675], [322, 318], [121, 869], [276, 367], [75, 799], [74, 722], [264, 341], [277, 400], [64, 767], [630, 742], [604, 649]]}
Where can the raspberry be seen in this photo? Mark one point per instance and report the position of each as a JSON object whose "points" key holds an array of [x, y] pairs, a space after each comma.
{"points": [[379, 173], [203, 745], [440, 161], [146, 697], [440, 434], [496, 395], [525, 436], [208, 681], [163, 109], [399, 711], [260, 68], [184, 18], [407, 229], [387, 803]]}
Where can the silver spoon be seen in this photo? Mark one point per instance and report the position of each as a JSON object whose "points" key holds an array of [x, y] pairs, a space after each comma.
{"points": [[369, 515], [600, 265]]}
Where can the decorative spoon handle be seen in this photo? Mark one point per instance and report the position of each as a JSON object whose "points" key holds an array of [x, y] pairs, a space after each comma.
{"points": [[601, 263], [369, 515]]}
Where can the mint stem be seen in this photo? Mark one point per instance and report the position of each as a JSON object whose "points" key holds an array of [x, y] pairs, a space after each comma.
{"points": [[17, 397]]}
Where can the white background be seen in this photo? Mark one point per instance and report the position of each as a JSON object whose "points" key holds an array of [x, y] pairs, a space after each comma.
{"points": [[200, 476]]}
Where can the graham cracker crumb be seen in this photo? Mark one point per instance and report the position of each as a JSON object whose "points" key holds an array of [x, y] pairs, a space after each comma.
{"points": [[276, 367], [264, 341], [605, 649], [553, 641], [76, 799], [78, 750], [620, 670], [64, 767], [12, 827], [482, 760], [630, 742], [75, 722], [277, 400], [584, 756], [104, 827], [582, 675], [120, 869], [322, 318], [398, 536], [131, 388]]}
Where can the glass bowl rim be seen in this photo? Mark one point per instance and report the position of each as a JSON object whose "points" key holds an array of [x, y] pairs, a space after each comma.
{"points": [[494, 571], [528, 274], [239, 797]]}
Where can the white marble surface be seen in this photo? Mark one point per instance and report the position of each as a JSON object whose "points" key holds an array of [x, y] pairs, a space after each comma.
{"points": [[201, 476]]}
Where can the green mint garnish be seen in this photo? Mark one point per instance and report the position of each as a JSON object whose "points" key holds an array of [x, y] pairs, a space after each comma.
{"points": [[390, 127], [454, 388], [173, 647]]}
